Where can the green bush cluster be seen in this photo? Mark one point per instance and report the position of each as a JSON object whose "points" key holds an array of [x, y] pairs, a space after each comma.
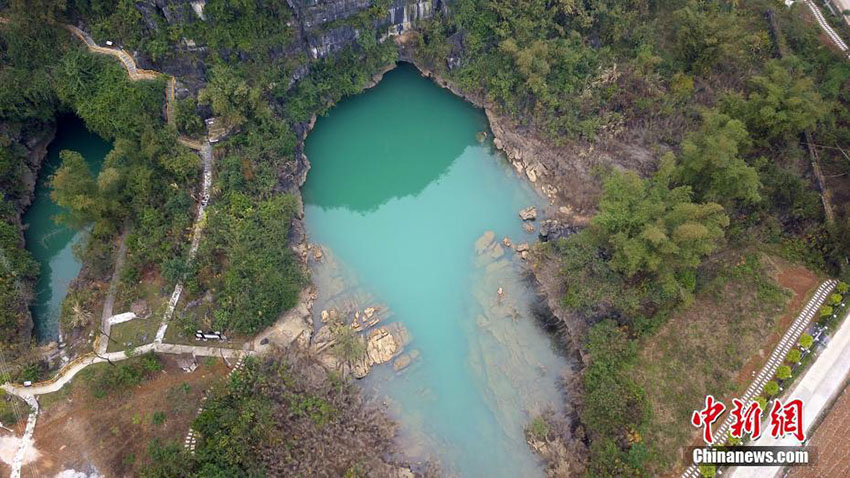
{"points": [[117, 377]]}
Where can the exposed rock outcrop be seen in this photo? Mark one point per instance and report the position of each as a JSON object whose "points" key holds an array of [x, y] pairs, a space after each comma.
{"points": [[528, 214], [295, 327], [554, 229]]}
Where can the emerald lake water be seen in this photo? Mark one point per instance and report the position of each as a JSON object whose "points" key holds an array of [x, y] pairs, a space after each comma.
{"points": [[52, 244], [398, 194]]}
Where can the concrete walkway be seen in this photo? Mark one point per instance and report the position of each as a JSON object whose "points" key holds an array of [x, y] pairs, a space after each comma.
{"points": [[73, 368], [197, 232], [789, 340], [818, 388], [125, 58], [26, 439]]}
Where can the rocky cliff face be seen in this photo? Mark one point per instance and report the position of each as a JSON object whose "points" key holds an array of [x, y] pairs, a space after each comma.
{"points": [[323, 26], [324, 29]]}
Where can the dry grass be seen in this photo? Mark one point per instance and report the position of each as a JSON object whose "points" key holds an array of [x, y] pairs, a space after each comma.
{"points": [[133, 333]]}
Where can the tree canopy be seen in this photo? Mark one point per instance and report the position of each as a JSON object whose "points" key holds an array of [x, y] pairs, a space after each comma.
{"points": [[712, 165]]}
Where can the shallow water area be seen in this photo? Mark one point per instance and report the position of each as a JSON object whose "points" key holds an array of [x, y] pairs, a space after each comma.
{"points": [[399, 195], [51, 244]]}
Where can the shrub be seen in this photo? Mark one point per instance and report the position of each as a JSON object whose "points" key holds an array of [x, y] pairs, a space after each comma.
{"points": [[538, 428], [783, 372], [115, 377], [158, 418], [349, 345], [771, 388], [794, 356], [733, 441], [806, 341]]}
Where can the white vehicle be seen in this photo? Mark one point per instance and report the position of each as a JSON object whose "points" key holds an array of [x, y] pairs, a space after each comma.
{"points": [[108, 42], [28, 383], [201, 335]]}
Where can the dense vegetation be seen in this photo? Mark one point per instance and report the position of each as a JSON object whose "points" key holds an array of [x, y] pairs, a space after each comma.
{"points": [[144, 183], [729, 180], [280, 416], [722, 97]]}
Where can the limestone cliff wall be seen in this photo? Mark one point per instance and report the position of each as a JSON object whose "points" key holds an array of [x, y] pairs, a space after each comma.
{"points": [[323, 26]]}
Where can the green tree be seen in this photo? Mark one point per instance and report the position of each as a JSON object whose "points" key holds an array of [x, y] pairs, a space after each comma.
{"points": [[245, 243], [230, 97], [704, 36], [794, 356], [781, 104], [806, 341], [771, 388], [75, 189], [651, 228], [783, 372], [707, 471], [835, 299], [711, 164]]}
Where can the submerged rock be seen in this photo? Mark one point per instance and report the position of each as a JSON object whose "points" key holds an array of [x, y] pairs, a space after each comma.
{"points": [[402, 362], [527, 227], [522, 247], [483, 242], [496, 251]]}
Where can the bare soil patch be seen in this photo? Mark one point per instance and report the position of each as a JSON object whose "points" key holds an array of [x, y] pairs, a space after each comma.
{"points": [[830, 441], [78, 431]]}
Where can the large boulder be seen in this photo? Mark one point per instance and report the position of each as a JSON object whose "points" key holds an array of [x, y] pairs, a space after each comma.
{"points": [[381, 346], [553, 229], [528, 214]]}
